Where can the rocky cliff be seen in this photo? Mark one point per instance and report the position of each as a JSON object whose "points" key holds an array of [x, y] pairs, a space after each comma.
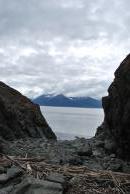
{"points": [[116, 127], [19, 117]]}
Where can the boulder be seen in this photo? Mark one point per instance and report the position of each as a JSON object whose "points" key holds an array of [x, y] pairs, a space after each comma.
{"points": [[31, 185], [56, 178], [115, 129], [12, 173], [15, 181], [85, 151], [21, 118]]}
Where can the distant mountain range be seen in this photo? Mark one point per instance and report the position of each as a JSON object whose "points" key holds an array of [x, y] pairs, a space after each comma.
{"points": [[64, 101]]}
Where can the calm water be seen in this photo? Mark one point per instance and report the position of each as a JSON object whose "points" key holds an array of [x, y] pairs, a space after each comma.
{"points": [[70, 122]]}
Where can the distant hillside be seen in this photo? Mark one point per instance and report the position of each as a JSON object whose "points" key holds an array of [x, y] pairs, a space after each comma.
{"points": [[64, 101]]}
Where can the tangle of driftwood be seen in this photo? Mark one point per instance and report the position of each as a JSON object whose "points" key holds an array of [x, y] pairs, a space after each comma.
{"points": [[39, 168]]}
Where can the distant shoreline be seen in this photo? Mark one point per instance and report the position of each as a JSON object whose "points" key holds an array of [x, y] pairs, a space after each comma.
{"points": [[71, 107]]}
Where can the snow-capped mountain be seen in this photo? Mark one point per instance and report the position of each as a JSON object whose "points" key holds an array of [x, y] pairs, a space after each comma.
{"points": [[63, 101]]}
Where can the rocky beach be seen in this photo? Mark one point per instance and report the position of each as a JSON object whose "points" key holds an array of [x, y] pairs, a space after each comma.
{"points": [[33, 161]]}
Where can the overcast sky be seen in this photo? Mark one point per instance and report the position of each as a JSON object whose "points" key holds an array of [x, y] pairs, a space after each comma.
{"points": [[62, 46]]}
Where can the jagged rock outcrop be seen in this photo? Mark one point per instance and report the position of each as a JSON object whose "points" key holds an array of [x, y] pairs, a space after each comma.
{"points": [[116, 127], [19, 117]]}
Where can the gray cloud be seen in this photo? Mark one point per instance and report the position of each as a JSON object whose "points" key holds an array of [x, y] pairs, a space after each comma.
{"points": [[57, 46]]}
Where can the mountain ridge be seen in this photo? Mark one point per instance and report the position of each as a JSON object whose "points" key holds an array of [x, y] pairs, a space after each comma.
{"points": [[61, 100]]}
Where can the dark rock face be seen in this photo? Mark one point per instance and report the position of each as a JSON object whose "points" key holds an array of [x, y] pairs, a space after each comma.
{"points": [[19, 117], [116, 127]]}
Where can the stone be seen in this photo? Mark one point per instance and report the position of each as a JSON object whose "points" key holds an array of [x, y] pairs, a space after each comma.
{"points": [[6, 190], [85, 151], [56, 177], [94, 163], [117, 167], [99, 143], [74, 180], [20, 117], [3, 178], [75, 161], [110, 145], [35, 186], [98, 152], [2, 170], [116, 125], [113, 155], [126, 167], [14, 172]]}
